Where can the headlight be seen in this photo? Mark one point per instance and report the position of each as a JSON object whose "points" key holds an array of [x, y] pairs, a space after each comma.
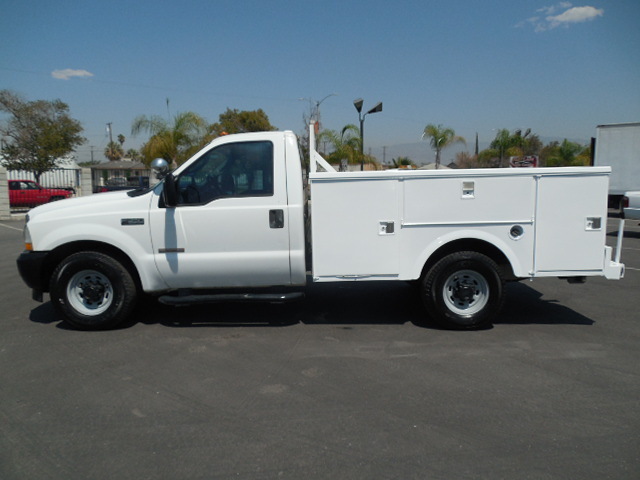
{"points": [[28, 245]]}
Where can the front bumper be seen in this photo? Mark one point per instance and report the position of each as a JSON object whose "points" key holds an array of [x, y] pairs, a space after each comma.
{"points": [[31, 266]]}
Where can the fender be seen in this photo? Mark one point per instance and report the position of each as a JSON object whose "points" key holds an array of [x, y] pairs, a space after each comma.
{"points": [[141, 257], [126, 229], [519, 270]]}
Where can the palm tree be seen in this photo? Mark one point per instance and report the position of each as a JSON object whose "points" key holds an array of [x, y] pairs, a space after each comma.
{"points": [[134, 155], [440, 138], [345, 145], [113, 151], [175, 143], [516, 144]]}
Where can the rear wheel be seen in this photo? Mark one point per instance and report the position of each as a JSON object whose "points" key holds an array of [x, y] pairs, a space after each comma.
{"points": [[463, 290], [92, 291]]}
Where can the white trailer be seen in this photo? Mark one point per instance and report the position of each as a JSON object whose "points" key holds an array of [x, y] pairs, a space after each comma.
{"points": [[618, 146]]}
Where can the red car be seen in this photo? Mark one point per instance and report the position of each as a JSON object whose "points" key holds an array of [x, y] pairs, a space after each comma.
{"points": [[27, 193]]}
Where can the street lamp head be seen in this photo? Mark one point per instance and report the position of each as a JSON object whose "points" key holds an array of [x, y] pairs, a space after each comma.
{"points": [[358, 104], [330, 95], [376, 109]]}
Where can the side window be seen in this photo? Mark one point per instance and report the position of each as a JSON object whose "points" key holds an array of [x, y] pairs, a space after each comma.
{"points": [[232, 170]]}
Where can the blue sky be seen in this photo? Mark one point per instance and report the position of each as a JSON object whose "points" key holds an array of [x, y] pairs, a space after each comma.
{"points": [[558, 68]]}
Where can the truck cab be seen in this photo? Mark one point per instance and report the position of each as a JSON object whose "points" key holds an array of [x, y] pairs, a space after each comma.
{"points": [[236, 219], [231, 217]]}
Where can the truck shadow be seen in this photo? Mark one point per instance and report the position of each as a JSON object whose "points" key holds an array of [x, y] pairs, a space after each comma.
{"points": [[346, 304], [627, 234], [387, 303], [525, 305]]}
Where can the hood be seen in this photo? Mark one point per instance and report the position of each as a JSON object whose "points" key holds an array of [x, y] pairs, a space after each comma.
{"points": [[91, 204]]}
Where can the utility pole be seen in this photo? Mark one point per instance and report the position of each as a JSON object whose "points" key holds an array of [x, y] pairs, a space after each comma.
{"points": [[92, 147], [110, 134]]}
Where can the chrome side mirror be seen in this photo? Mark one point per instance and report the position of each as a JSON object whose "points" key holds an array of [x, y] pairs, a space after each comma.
{"points": [[160, 168]]}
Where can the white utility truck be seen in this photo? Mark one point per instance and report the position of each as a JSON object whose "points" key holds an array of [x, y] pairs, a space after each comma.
{"points": [[617, 146], [231, 224]]}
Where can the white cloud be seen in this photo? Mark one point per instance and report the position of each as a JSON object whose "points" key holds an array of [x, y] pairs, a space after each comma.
{"points": [[569, 15], [68, 73], [550, 10], [575, 15]]}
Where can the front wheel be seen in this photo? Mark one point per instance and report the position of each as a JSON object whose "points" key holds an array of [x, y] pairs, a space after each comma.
{"points": [[92, 291], [463, 290]]}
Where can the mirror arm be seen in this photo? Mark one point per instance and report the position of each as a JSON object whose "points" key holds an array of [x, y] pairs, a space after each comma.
{"points": [[170, 191]]}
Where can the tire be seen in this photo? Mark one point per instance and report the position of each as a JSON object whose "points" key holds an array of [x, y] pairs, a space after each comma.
{"points": [[464, 290], [92, 291]]}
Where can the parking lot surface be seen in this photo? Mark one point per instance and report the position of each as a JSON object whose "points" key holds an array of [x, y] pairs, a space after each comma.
{"points": [[345, 385]]}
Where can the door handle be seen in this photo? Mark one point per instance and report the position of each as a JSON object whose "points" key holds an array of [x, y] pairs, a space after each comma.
{"points": [[276, 218]]}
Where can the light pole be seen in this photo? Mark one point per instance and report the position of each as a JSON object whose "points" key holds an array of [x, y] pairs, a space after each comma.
{"points": [[318, 105], [358, 104], [315, 107]]}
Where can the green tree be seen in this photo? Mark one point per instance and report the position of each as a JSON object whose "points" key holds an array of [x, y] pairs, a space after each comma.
{"points": [[584, 157], [235, 121], [502, 143], [402, 162], [37, 133], [89, 163], [565, 154], [489, 158], [174, 142], [440, 138], [113, 151], [507, 144], [527, 143], [134, 155]]}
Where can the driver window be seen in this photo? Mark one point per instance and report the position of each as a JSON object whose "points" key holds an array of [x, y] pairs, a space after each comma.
{"points": [[232, 170]]}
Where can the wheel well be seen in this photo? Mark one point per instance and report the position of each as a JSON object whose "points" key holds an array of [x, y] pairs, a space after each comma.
{"points": [[474, 245], [60, 253]]}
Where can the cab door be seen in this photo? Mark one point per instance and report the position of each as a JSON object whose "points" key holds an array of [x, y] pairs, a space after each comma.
{"points": [[230, 226]]}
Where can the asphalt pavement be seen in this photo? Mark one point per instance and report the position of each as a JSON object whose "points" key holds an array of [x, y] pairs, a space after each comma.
{"points": [[345, 385]]}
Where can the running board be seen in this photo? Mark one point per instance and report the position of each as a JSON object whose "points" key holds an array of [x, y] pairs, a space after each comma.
{"points": [[185, 300]]}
